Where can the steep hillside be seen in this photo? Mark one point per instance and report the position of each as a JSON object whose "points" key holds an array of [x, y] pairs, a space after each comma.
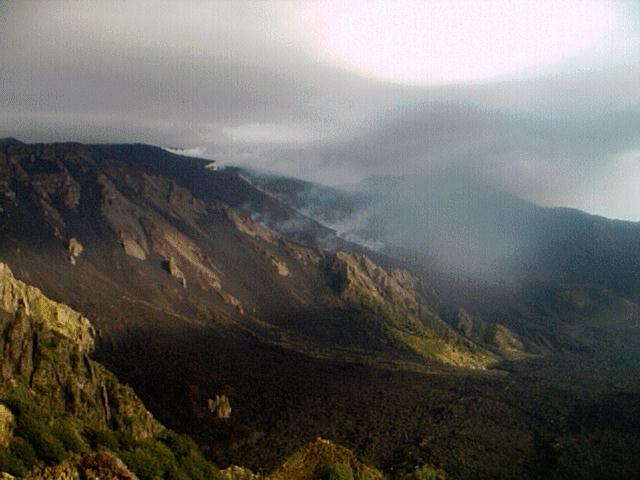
{"points": [[62, 414], [133, 229]]}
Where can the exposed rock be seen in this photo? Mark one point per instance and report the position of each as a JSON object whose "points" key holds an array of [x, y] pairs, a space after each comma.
{"points": [[280, 266], [104, 466], [70, 192], [45, 347], [231, 300], [249, 226], [133, 249], [175, 271], [220, 406], [24, 300], [74, 248], [66, 470], [304, 255], [234, 472], [7, 424], [465, 323], [395, 296]]}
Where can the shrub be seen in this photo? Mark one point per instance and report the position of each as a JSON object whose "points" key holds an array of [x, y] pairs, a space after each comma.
{"points": [[337, 471], [151, 459], [23, 450], [426, 472], [197, 467], [102, 439], [69, 436], [47, 447], [11, 464], [21, 401], [189, 457]]}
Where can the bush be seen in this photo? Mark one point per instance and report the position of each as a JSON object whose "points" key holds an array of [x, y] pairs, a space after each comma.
{"points": [[426, 472], [189, 457], [11, 464], [102, 439], [337, 471], [143, 464], [23, 450], [151, 460], [21, 401], [69, 436], [47, 447], [197, 467]]}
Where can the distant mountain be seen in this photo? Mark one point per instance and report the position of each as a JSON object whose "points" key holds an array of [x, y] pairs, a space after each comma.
{"points": [[498, 256], [457, 224], [10, 141]]}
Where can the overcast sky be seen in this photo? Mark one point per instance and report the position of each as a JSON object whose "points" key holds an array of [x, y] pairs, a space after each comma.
{"points": [[539, 97]]}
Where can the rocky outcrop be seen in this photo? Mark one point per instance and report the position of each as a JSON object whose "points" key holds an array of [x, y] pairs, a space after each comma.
{"points": [[220, 406], [102, 465], [394, 296], [133, 249], [175, 271], [494, 335], [74, 249], [280, 266], [234, 472], [7, 424], [45, 346]]}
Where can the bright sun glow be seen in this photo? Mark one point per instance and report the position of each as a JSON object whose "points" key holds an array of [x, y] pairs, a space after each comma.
{"points": [[444, 41]]}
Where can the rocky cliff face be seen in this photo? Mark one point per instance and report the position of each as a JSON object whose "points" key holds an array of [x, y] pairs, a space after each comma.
{"points": [[57, 405], [394, 296], [46, 347]]}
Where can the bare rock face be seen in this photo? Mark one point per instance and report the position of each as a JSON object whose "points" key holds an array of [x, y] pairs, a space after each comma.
{"points": [[66, 470], [280, 266], [234, 472], [7, 424], [133, 249], [93, 466], [175, 271], [220, 406], [104, 466], [46, 347], [74, 248], [395, 295]]}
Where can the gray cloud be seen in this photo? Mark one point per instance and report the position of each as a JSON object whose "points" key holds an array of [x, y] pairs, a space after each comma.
{"points": [[236, 79]]}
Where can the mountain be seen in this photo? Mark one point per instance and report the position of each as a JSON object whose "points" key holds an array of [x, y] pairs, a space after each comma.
{"points": [[455, 223], [494, 254], [244, 319]]}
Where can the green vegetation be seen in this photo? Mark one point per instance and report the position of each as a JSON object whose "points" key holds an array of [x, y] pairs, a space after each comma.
{"points": [[49, 437], [426, 472], [170, 456], [337, 471]]}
